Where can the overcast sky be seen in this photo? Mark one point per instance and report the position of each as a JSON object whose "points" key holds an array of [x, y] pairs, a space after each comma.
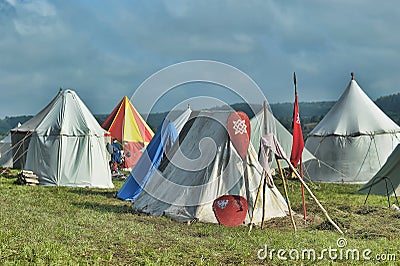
{"points": [[104, 50]]}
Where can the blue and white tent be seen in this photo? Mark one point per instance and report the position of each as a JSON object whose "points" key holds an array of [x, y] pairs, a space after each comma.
{"points": [[148, 162]]}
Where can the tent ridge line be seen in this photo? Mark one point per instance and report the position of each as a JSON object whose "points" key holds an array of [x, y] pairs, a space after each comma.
{"points": [[355, 134]]}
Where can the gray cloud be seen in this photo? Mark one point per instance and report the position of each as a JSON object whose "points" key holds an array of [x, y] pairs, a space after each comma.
{"points": [[105, 51]]}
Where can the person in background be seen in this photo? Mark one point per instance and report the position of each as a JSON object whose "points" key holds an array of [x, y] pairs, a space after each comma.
{"points": [[116, 157]]}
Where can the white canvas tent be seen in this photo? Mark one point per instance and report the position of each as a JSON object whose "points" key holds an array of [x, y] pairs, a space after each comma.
{"points": [[67, 147], [352, 141], [182, 119], [6, 152], [21, 135], [386, 182], [282, 134], [201, 166]]}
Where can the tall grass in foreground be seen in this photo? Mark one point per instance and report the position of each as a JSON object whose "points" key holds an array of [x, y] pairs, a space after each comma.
{"points": [[75, 226]]}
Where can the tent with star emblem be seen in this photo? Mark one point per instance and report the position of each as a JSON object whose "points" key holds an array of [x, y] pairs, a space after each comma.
{"points": [[353, 140], [202, 165]]}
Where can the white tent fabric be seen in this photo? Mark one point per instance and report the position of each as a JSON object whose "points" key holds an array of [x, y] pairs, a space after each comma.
{"points": [[182, 119], [284, 137], [202, 166], [387, 180], [67, 147], [6, 151], [21, 135], [352, 141]]}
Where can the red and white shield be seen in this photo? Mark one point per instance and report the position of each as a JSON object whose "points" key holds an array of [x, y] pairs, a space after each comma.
{"points": [[230, 210], [238, 126]]}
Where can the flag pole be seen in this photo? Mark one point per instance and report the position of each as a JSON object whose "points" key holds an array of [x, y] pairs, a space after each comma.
{"points": [[301, 170]]}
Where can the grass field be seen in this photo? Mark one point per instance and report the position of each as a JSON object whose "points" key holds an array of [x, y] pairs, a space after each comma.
{"points": [[80, 226]]}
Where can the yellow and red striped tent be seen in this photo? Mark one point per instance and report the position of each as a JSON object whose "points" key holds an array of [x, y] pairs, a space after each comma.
{"points": [[129, 128]]}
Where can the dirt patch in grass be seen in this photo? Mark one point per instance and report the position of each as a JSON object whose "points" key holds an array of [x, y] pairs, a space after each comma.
{"points": [[326, 225], [285, 223], [364, 222], [365, 210]]}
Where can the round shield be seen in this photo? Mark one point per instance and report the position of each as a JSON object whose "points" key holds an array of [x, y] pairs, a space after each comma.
{"points": [[230, 210], [238, 125]]}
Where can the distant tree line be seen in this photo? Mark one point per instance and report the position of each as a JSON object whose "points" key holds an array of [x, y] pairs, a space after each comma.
{"points": [[310, 113], [391, 106], [11, 122]]}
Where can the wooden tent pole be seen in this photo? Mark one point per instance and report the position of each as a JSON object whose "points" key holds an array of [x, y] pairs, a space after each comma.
{"points": [[315, 198], [286, 194], [264, 205], [264, 172], [255, 202]]}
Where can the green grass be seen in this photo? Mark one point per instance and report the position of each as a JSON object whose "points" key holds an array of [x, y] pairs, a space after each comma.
{"points": [[79, 226]]}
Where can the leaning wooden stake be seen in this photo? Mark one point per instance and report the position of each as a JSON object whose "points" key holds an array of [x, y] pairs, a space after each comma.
{"points": [[255, 202], [316, 200], [286, 194], [303, 197], [264, 204]]}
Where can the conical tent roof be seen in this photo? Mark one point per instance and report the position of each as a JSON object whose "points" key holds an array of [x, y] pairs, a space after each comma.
{"points": [[129, 128], [67, 147], [202, 166], [21, 135], [387, 180], [182, 119], [282, 134], [32, 123], [69, 116], [352, 141], [354, 114]]}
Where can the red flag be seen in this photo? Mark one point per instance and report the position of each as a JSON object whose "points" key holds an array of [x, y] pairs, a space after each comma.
{"points": [[298, 142]]}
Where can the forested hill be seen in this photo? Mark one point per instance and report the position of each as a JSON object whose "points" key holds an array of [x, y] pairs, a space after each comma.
{"points": [[311, 113], [391, 106]]}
